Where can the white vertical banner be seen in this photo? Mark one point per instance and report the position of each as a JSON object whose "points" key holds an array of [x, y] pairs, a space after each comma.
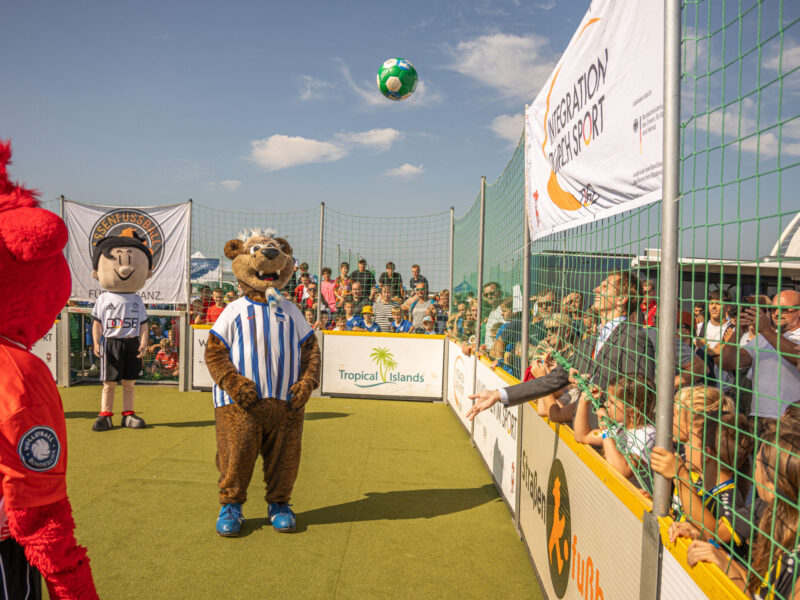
{"points": [[164, 228], [594, 132], [46, 349], [201, 378]]}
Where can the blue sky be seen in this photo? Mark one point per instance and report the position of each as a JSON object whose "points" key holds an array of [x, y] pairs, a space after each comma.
{"points": [[271, 106]]}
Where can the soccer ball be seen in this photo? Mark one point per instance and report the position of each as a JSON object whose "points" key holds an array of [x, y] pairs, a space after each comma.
{"points": [[397, 79]]}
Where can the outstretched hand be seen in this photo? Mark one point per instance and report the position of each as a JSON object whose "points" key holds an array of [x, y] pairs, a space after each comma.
{"points": [[484, 399]]}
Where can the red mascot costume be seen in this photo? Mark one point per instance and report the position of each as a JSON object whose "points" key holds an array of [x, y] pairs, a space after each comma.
{"points": [[36, 526]]}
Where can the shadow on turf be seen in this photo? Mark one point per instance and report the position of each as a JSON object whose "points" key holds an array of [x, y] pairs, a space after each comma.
{"points": [[390, 506], [80, 414], [318, 416]]}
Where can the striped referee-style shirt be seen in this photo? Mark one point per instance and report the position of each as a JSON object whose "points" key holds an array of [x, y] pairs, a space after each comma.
{"points": [[382, 313], [263, 341]]}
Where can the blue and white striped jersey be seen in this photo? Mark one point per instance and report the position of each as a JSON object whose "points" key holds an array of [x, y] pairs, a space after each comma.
{"points": [[264, 345]]}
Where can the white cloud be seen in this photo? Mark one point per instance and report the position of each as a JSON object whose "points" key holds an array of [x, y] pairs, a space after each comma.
{"points": [[230, 185], [739, 121], [380, 139], [508, 127], [282, 151], [546, 5], [405, 171], [515, 66], [312, 88]]}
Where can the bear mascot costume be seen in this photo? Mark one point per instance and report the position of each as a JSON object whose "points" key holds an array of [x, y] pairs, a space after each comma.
{"points": [[265, 361], [36, 526], [122, 265]]}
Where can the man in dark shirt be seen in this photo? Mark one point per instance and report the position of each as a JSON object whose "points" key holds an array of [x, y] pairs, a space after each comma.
{"points": [[362, 276], [416, 278], [393, 281], [621, 347]]}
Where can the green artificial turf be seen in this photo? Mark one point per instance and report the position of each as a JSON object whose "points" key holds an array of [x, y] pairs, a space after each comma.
{"points": [[391, 502]]}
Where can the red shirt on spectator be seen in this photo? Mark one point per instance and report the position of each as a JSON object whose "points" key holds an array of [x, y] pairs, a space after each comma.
{"points": [[213, 312], [167, 360], [649, 312], [298, 293]]}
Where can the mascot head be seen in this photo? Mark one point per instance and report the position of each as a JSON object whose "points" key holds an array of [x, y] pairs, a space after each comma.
{"points": [[262, 263], [35, 281], [122, 263]]}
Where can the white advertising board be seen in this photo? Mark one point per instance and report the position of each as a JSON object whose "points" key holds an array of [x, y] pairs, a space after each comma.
{"points": [[461, 382], [377, 364], [45, 349], [676, 583], [496, 435], [584, 541], [200, 377]]}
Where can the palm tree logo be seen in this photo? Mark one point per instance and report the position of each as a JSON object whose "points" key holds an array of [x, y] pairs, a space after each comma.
{"points": [[385, 361]]}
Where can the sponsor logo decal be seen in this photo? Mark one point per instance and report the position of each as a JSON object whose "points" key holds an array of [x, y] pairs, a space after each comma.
{"points": [[39, 448], [387, 372], [126, 221]]}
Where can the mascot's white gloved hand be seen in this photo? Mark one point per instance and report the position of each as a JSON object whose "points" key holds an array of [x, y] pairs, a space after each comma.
{"points": [[300, 393]]}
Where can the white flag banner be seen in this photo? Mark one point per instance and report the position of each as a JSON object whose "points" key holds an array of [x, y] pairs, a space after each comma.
{"points": [[165, 230], [594, 133]]}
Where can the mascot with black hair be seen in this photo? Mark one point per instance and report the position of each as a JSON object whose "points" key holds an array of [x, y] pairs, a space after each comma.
{"points": [[122, 265]]}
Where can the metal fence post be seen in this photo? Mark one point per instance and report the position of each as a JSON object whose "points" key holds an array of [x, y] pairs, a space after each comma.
{"points": [[525, 333], [479, 294], [319, 267], [668, 296], [186, 347], [452, 256]]}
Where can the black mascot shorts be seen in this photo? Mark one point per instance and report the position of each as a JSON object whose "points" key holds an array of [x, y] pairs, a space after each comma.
{"points": [[19, 579], [119, 359]]}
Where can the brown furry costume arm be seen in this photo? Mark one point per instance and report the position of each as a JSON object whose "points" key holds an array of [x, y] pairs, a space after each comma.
{"points": [[240, 388], [310, 364]]}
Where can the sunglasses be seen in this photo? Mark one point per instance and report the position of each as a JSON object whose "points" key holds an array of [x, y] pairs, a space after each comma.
{"points": [[490, 294]]}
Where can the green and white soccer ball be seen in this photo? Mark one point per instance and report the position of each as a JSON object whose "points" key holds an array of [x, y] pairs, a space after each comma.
{"points": [[397, 79]]}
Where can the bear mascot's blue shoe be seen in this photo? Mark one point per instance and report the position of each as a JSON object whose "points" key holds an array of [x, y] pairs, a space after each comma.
{"points": [[282, 517], [229, 521]]}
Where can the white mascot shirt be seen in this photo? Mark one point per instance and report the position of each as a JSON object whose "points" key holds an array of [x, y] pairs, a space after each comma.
{"points": [[263, 341]]}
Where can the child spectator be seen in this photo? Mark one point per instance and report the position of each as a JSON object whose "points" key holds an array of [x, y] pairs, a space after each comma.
{"points": [[326, 287], [301, 292], [631, 405], [166, 362], [706, 499], [215, 310], [342, 286], [774, 560], [399, 324], [340, 324], [428, 326], [196, 314], [352, 320], [367, 323]]}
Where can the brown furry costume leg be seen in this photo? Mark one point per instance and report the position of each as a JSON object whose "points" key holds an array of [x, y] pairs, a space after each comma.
{"points": [[270, 427]]}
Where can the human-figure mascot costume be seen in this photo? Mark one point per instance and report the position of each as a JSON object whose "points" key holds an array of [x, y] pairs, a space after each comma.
{"points": [[122, 265], [265, 361], [36, 526]]}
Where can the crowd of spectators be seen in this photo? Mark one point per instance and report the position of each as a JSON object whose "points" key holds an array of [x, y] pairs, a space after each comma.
{"points": [[736, 464], [353, 301]]}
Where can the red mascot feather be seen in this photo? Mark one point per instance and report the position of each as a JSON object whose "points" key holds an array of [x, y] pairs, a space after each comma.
{"points": [[36, 526]]}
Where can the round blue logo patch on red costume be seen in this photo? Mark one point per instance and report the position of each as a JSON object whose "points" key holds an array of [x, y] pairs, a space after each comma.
{"points": [[39, 448]]}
